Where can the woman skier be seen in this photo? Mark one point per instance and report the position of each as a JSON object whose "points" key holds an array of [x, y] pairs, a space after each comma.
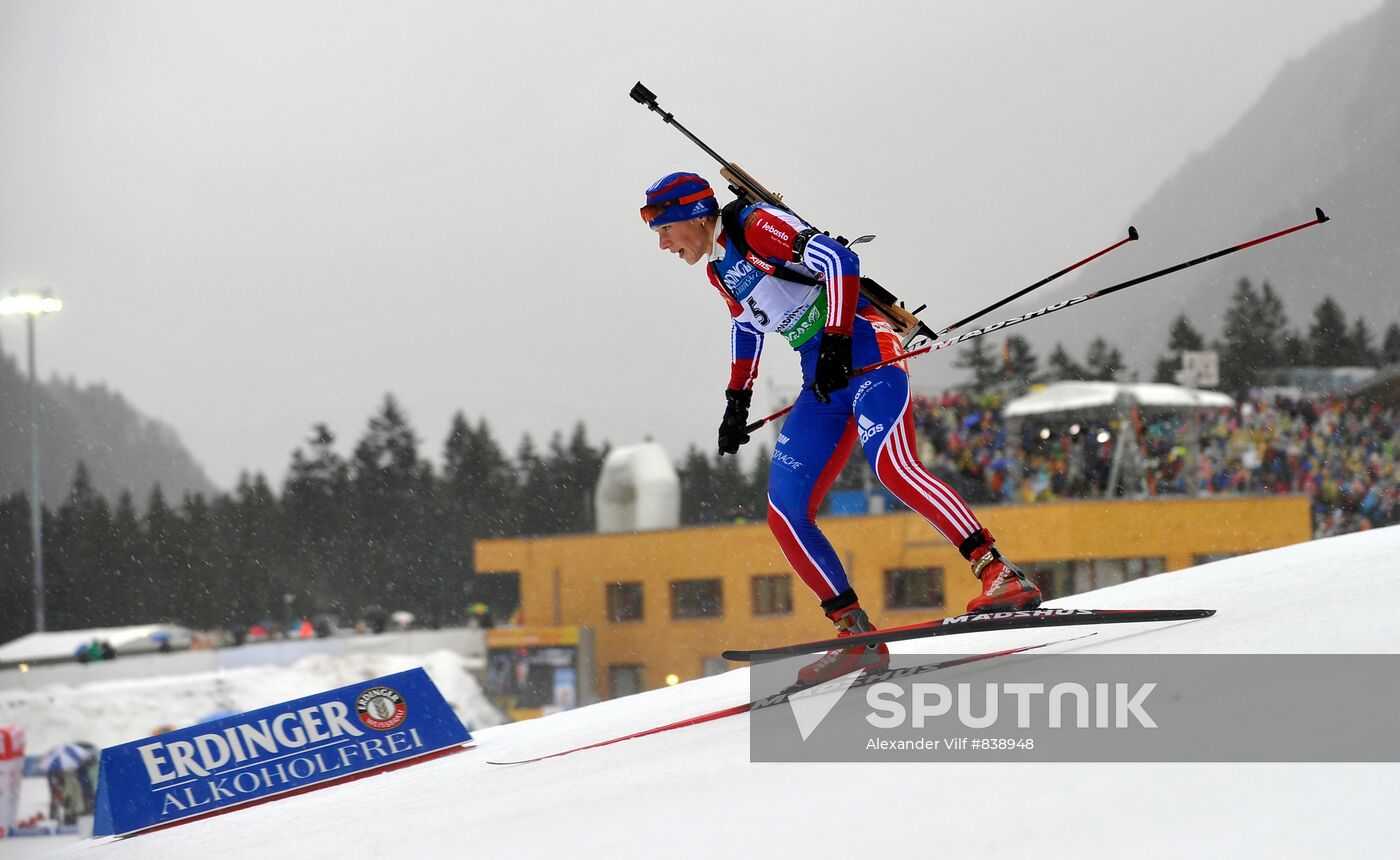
{"points": [[780, 275]]}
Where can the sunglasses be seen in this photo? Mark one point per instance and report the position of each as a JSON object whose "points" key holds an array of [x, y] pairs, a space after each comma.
{"points": [[652, 211]]}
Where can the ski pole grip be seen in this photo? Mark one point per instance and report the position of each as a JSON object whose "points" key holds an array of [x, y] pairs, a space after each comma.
{"points": [[643, 96]]}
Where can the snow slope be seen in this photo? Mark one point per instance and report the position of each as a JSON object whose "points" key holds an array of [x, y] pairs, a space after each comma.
{"points": [[693, 792]]}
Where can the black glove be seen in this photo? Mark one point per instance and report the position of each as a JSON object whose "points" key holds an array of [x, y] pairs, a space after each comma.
{"points": [[833, 365], [736, 418]]}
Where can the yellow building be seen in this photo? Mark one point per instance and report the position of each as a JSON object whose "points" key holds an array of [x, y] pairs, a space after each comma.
{"points": [[668, 602]]}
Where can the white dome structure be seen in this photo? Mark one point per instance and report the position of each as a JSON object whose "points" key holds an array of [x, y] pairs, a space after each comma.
{"points": [[638, 490]]}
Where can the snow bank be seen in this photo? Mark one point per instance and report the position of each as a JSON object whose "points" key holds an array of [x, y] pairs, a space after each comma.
{"points": [[113, 712]]}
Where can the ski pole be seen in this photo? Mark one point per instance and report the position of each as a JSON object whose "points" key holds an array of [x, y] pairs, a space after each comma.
{"points": [[1132, 235], [1320, 218]]}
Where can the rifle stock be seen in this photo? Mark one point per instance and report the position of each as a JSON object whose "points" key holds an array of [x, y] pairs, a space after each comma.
{"points": [[741, 180]]}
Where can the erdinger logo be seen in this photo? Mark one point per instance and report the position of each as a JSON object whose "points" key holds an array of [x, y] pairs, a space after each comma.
{"points": [[381, 708]]}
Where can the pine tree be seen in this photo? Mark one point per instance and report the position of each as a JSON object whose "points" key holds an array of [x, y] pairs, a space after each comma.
{"points": [[204, 591], [314, 504], [733, 499], [1272, 319], [1363, 347], [393, 491], [719, 491], [479, 483], [1327, 336], [574, 471], [756, 507], [75, 557], [1183, 337], [161, 563], [124, 591], [258, 563], [1390, 346], [1019, 361], [975, 358], [1293, 350], [534, 513], [1104, 362], [16, 571], [587, 466], [475, 501], [698, 502], [1063, 367], [1253, 333]]}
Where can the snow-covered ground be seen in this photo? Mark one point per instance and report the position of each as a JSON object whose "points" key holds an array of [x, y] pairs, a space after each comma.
{"points": [[114, 712], [694, 793]]}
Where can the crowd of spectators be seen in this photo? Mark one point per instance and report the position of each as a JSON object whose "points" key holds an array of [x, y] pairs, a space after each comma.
{"points": [[1340, 453]]}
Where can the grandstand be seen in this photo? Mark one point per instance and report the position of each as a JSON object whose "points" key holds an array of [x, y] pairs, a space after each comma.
{"points": [[1338, 449]]}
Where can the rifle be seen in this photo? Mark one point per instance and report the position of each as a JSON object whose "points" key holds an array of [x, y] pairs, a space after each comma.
{"points": [[743, 185]]}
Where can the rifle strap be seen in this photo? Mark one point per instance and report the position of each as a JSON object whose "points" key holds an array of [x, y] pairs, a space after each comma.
{"points": [[732, 220], [731, 217]]}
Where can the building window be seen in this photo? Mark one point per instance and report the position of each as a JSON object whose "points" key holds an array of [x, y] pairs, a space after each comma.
{"points": [[498, 590], [1053, 578], [1060, 578], [711, 666], [914, 588], [697, 598], [1209, 557], [772, 594], [624, 601], [624, 680]]}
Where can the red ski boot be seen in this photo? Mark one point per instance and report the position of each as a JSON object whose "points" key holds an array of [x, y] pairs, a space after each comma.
{"points": [[1004, 586], [849, 621]]}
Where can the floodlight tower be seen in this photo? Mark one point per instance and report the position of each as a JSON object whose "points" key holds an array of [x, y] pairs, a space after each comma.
{"points": [[31, 306]]}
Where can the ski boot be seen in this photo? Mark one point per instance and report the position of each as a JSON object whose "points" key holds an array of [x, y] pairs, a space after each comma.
{"points": [[849, 620], [1004, 586]]}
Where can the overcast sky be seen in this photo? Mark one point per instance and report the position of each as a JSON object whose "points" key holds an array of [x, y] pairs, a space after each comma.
{"points": [[263, 215]]}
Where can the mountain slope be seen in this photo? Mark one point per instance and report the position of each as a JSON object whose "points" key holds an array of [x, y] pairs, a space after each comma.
{"points": [[1325, 133], [123, 450], [694, 793]]}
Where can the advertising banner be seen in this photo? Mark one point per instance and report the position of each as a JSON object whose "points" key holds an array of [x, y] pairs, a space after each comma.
{"points": [[533, 671], [248, 757], [11, 772]]}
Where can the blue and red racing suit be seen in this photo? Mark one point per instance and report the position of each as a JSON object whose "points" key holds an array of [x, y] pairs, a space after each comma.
{"points": [[817, 438]]}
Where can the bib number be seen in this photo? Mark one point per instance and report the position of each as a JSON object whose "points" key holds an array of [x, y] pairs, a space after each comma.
{"points": [[758, 313]]}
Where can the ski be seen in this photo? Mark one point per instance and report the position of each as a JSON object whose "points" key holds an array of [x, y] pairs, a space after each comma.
{"points": [[975, 623], [865, 679]]}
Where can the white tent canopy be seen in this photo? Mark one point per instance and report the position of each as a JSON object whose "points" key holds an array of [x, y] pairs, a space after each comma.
{"points": [[1059, 397], [62, 644]]}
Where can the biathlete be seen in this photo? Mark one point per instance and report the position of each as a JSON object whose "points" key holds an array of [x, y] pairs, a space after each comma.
{"points": [[779, 275]]}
